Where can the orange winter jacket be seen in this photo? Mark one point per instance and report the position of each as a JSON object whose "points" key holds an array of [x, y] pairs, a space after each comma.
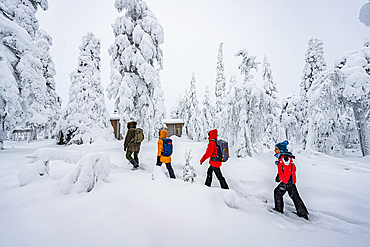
{"points": [[163, 159]]}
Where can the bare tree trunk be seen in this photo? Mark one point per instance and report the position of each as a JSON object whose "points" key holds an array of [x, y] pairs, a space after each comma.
{"points": [[360, 118]]}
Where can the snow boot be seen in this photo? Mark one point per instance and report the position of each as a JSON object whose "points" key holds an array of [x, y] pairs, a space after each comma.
{"points": [[134, 163]]}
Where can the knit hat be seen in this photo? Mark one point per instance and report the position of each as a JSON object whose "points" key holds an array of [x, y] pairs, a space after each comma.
{"points": [[282, 146]]}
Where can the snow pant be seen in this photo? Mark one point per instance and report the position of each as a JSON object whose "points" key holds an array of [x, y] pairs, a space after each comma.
{"points": [[219, 176], [169, 168], [293, 193], [134, 161]]}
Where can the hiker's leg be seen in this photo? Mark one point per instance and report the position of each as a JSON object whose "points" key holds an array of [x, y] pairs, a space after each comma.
{"points": [[129, 158], [128, 155], [136, 156], [220, 178], [209, 176], [170, 170], [279, 192], [297, 200]]}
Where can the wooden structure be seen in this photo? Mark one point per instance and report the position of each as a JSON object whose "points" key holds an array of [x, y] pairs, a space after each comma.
{"points": [[174, 126], [116, 124]]}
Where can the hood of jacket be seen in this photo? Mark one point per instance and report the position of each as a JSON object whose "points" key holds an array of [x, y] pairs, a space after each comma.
{"points": [[131, 125], [163, 134], [212, 134]]}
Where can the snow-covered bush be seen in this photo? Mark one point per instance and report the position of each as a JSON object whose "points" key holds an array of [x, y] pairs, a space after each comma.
{"points": [[188, 171]]}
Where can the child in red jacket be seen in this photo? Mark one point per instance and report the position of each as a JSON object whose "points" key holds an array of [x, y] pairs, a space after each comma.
{"points": [[211, 153], [287, 179]]}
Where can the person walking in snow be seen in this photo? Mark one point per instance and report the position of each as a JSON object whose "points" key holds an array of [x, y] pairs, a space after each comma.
{"points": [[162, 157], [130, 146], [214, 165], [287, 178]]}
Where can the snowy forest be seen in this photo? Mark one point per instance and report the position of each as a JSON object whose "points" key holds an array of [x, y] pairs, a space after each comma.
{"points": [[330, 114]]}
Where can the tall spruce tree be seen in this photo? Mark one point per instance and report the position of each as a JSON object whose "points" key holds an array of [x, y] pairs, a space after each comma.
{"points": [[208, 112], [220, 83], [85, 118], [136, 59], [315, 64]]}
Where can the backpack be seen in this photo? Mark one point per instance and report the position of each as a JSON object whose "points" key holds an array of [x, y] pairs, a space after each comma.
{"points": [[167, 147], [222, 151], [139, 135]]}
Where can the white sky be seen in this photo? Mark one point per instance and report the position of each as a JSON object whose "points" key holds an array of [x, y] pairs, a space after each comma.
{"points": [[194, 28]]}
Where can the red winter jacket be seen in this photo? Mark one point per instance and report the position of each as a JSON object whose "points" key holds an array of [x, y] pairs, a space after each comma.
{"points": [[211, 150], [285, 169]]}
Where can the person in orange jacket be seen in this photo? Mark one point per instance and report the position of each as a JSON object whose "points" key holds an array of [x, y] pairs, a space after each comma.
{"points": [[160, 157], [211, 153], [287, 178]]}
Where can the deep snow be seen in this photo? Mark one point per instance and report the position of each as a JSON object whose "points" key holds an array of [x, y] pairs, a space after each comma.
{"points": [[146, 208]]}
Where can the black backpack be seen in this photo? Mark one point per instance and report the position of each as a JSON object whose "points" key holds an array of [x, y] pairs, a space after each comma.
{"points": [[222, 150]]}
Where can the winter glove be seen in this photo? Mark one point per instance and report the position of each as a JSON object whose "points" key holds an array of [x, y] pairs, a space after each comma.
{"points": [[200, 163], [277, 179], [159, 163]]}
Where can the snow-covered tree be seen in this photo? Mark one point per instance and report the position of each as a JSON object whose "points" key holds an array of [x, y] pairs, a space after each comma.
{"points": [[53, 102], [290, 117], [220, 85], [325, 106], [136, 59], [364, 14], [188, 171], [272, 106], [193, 123], [246, 99], [208, 112], [315, 64], [23, 87], [85, 117], [355, 66]]}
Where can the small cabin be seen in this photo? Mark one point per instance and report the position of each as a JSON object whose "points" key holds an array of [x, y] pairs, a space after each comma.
{"points": [[116, 124], [174, 126]]}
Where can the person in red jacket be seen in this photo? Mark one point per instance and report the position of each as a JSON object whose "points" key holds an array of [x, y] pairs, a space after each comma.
{"points": [[287, 179], [211, 153]]}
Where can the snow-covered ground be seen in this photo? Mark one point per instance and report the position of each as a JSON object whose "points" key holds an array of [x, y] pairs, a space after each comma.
{"points": [[146, 208]]}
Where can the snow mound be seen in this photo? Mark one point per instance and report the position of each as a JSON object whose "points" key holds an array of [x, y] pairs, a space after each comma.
{"points": [[86, 174], [29, 172], [48, 154]]}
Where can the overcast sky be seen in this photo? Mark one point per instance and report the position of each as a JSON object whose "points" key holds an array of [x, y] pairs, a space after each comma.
{"points": [[193, 30]]}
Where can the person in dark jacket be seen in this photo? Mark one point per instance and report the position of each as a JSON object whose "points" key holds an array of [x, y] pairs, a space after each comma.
{"points": [[131, 147], [287, 178], [161, 158], [211, 152]]}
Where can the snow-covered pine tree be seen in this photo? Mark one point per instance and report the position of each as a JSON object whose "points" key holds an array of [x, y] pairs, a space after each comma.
{"points": [[188, 171], [22, 96], [136, 59], [271, 105], [193, 122], [208, 112], [355, 66], [85, 118], [220, 88], [325, 106], [247, 101], [290, 117], [315, 64], [53, 101], [229, 127]]}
